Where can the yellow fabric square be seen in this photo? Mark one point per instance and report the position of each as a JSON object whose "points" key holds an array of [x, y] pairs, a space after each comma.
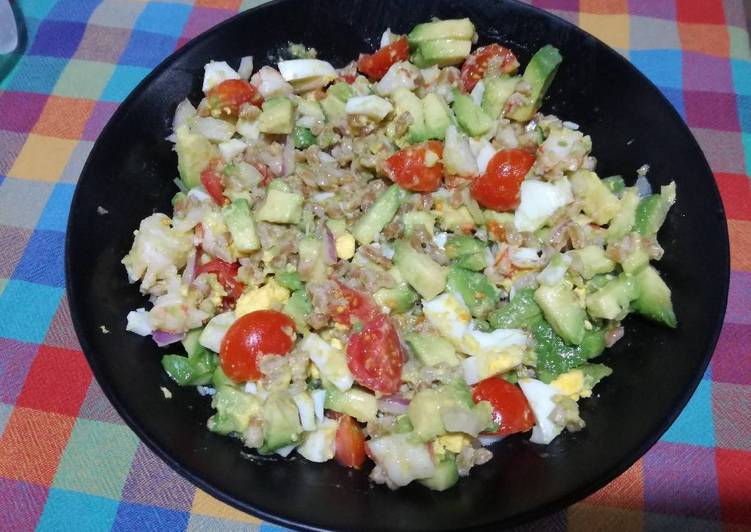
{"points": [[205, 504], [42, 158], [611, 29]]}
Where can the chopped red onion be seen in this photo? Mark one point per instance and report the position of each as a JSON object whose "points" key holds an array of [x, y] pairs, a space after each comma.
{"points": [[329, 247], [393, 404], [163, 338]]}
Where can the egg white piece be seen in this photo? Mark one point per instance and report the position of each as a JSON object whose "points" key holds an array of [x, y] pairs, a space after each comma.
{"points": [[539, 200], [540, 398], [319, 445], [449, 315], [371, 106], [212, 335], [329, 360], [477, 343], [231, 149]]}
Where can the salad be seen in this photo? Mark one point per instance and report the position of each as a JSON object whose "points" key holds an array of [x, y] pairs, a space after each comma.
{"points": [[400, 261]]}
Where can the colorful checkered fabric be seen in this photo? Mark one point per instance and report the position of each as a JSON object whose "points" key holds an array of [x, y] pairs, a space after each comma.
{"points": [[67, 461]]}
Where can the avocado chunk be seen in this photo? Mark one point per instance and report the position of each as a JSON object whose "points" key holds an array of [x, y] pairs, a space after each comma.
{"points": [[289, 279], [597, 201], [497, 92], [475, 289], [452, 219], [310, 251], [650, 214], [379, 214], [636, 259], [554, 356], [424, 414], [355, 402], [437, 117], [234, 408], [615, 184], [441, 52], [612, 301], [281, 207], [432, 350], [539, 74], [462, 29], [405, 101], [192, 370], [448, 408], [334, 104], [281, 422], [624, 220], [414, 218], [561, 308], [521, 312], [420, 271], [298, 307], [654, 301], [241, 225], [470, 117], [590, 261], [468, 252], [219, 379], [399, 299], [445, 476], [277, 117], [194, 153], [303, 137]]}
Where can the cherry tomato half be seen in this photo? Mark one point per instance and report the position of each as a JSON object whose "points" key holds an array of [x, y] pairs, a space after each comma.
{"points": [[377, 64], [349, 443], [493, 56], [375, 356], [212, 182], [510, 408], [226, 274], [261, 332], [418, 167], [498, 188], [226, 98], [357, 306]]}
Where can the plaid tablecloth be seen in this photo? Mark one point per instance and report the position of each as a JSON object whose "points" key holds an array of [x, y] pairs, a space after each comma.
{"points": [[67, 461]]}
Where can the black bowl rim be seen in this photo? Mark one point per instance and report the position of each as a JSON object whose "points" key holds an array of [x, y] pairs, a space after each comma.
{"points": [[604, 478]]}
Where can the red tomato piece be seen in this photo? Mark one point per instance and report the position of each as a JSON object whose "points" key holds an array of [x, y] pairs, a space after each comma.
{"points": [[349, 443], [510, 408], [261, 332], [266, 174], [492, 57], [358, 307], [375, 356], [226, 274], [226, 98], [418, 167], [212, 182], [498, 188], [377, 64]]}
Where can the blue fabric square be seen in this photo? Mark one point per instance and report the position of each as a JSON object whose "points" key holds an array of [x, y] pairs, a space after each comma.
{"points": [[741, 76], [73, 10], [36, 8], [663, 67], [744, 111], [35, 73], [675, 97], [132, 516], [267, 527], [167, 19], [695, 426], [43, 259], [55, 214], [58, 38], [147, 49], [123, 81], [70, 510], [27, 310], [746, 137]]}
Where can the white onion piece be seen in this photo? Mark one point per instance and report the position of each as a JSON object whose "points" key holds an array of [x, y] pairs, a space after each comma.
{"points": [[284, 451], [288, 156], [489, 439], [245, 69], [478, 92], [270, 83], [163, 338], [183, 112], [387, 38], [319, 398], [643, 186], [216, 72], [214, 129], [189, 273]]}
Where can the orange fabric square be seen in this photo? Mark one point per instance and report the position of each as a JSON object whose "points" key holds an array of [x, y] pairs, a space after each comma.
{"points": [[31, 446], [221, 4], [604, 7], [626, 491], [705, 38], [740, 245], [205, 504], [57, 381], [585, 517], [42, 158], [701, 11], [64, 117], [611, 29]]}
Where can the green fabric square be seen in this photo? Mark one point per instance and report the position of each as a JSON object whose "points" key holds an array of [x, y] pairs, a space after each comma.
{"points": [[83, 79], [739, 45], [97, 459]]}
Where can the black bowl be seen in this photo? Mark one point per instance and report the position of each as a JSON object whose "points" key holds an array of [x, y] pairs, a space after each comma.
{"points": [[130, 172]]}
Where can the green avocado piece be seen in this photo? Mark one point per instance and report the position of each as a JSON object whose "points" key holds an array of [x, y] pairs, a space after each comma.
{"points": [[520, 313], [419, 270], [437, 116], [468, 252], [241, 225], [477, 292], [462, 29], [497, 92], [235, 409], [650, 214], [281, 422], [277, 117], [562, 310], [654, 299], [194, 153], [406, 101], [612, 301], [298, 307], [446, 475], [470, 116], [441, 52], [539, 74], [370, 224], [432, 350], [399, 299]]}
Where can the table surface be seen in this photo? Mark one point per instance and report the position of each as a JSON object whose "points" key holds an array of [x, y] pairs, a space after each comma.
{"points": [[68, 462]]}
